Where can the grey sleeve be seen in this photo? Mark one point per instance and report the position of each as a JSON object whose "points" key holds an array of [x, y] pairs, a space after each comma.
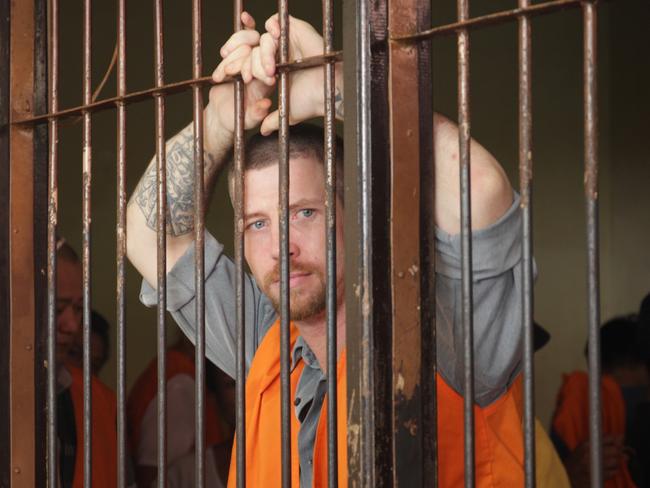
{"points": [[497, 288], [220, 309]]}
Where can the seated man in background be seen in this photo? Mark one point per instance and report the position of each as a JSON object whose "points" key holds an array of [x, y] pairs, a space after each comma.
{"points": [[142, 415], [625, 384], [69, 308]]}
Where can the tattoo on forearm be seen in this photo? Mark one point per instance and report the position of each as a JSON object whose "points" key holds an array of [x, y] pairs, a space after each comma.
{"points": [[180, 186], [338, 103]]}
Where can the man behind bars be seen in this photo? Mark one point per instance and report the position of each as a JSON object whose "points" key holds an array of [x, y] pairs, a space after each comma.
{"points": [[497, 281]]}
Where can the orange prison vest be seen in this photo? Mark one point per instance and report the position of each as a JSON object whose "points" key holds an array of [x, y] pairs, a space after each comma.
{"points": [[104, 432], [263, 430], [146, 389], [571, 417], [499, 435]]}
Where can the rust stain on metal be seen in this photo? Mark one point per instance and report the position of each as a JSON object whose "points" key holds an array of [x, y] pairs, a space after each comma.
{"points": [[485, 20], [21, 249], [166, 89]]}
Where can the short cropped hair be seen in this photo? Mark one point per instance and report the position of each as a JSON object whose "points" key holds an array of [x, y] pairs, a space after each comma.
{"points": [[305, 141], [619, 345]]}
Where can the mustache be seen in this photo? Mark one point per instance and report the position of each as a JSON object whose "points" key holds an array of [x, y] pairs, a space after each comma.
{"points": [[274, 275]]}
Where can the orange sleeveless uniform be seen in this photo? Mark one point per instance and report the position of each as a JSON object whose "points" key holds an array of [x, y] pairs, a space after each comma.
{"points": [[146, 389], [571, 418], [499, 436], [104, 432]]}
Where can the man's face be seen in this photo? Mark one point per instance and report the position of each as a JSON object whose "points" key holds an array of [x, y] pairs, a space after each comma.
{"points": [[307, 245], [69, 305]]}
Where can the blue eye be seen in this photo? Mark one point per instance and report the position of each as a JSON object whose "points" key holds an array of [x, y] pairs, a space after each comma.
{"points": [[307, 212], [257, 225]]}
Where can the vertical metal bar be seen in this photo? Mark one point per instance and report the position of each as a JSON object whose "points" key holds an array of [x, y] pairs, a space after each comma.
{"points": [[199, 247], [5, 334], [40, 224], [53, 98], [283, 157], [161, 209], [121, 246], [368, 297], [466, 239], [591, 207], [330, 233], [405, 248], [21, 247], [86, 224], [525, 188], [240, 383], [427, 256]]}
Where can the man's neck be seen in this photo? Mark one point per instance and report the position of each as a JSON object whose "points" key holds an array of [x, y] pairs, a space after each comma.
{"points": [[314, 332]]}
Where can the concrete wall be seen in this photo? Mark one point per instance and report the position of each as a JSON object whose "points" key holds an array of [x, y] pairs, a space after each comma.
{"points": [[559, 223]]}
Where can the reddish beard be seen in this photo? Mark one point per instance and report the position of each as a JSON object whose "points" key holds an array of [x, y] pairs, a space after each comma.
{"points": [[303, 304]]}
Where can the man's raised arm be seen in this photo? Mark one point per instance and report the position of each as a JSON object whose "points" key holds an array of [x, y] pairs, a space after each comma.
{"points": [[491, 192], [217, 141]]}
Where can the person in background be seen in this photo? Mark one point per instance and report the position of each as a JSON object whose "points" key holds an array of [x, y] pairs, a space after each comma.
{"points": [[625, 380], [69, 310], [99, 345], [638, 404], [142, 417]]}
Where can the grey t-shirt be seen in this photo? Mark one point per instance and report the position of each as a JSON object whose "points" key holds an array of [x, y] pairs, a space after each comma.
{"points": [[496, 254]]}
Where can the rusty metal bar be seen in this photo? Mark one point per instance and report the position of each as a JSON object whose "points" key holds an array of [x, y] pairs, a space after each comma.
{"points": [[525, 188], [283, 204], [428, 367], [368, 297], [5, 333], [121, 246], [86, 143], [464, 140], [171, 88], [21, 248], [53, 99], [490, 19], [591, 207], [405, 249], [41, 182], [240, 383], [330, 237], [161, 232], [199, 247]]}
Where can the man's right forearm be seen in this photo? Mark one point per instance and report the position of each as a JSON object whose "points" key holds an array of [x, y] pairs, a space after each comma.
{"points": [[142, 209]]}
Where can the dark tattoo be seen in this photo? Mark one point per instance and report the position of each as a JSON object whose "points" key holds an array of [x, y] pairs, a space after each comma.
{"points": [[180, 186], [338, 103]]}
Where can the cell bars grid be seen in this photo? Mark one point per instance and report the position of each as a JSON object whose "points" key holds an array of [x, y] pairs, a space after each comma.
{"points": [[410, 121]]}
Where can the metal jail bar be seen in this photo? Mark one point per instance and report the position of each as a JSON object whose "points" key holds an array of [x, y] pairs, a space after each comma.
{"points": [[120, 232], [238, 162], [161, 232], [331, 177], [86, 239], [380, 36], [283, 209], [199, 240], [53, 102], [525, 189]]}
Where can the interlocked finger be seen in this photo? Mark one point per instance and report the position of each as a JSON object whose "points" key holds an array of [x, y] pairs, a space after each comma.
{"points": [[231, 65], [243, 37]]}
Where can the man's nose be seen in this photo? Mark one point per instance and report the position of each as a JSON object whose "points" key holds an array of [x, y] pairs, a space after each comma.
{"points": [[294, 249]]}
